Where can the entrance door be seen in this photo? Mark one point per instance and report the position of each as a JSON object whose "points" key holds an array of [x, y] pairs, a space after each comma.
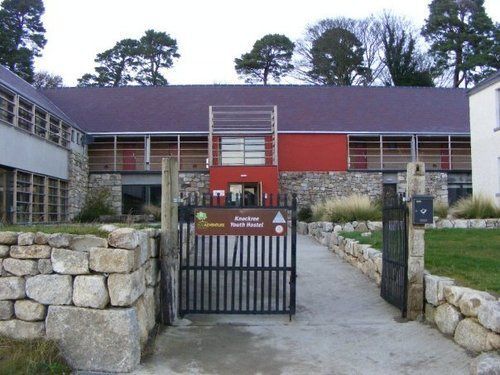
{"points": [[250, 191]]}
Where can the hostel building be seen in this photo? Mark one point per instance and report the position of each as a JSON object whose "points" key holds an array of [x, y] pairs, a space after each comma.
{"points": [[316, 141]]}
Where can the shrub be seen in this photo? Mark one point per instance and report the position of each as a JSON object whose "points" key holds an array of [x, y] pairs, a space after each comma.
{"points": [[151, 209], [342, 210], [305, 214], [31, 357], [98, 203], [441, 210], [475, 207]]}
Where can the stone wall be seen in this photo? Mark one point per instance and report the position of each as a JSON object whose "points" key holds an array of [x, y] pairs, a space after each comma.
{"points": [[312, 187], [78, 182], [192, 182], [436, 184], [97, 298], [112, 182], [470, 317]]}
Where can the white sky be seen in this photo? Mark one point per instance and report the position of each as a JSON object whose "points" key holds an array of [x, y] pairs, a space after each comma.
{"points": [[209, 33]]}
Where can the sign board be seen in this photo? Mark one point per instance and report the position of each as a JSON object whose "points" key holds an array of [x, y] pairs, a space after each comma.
{"points": [[219, 193], [240, 222], [423, 212]]}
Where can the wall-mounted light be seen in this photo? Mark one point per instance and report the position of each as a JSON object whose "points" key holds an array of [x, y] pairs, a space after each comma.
{"points": [[243, 175]]}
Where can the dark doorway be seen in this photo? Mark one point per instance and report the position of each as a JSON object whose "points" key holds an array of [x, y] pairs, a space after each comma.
{"points": [[249, 190]]}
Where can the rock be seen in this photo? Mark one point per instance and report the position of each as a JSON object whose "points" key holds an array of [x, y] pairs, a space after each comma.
{"points": [[444, 223], [366, 234], [124, 238], [90, 291], [8, 238], [151, 272], [12, 288], [41, 238], [70, 262], [29, 310], [337, 228], [348, 227], [30, 252], [50, 289], [44, 266], [430, 312], [142, 250], [434, 288], [362, 227], [21, 330], [59, 240], [471, 302], [108, 228], [454, 293], [374, 225], [86, 242], [478, 223], [4, 251], [461, 223], [327, 226], [145, 307], [25, 239], [489, 315], [111, 260], [447, 318], [20, 267], [154, 247], [486, 364], [96, 340], [125, 289], [472, 336], [6, 310]]}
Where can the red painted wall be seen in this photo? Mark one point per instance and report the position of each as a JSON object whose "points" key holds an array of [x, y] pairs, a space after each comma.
{"points": [[312, 152], [220, 177]]}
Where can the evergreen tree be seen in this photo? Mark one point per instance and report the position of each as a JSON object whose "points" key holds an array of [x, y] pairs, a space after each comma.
{"points": [[21, 35], [463, 38], [269, 57]]}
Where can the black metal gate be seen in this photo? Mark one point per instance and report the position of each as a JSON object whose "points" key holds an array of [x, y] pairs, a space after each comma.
{"points": [[227, 274], [395, 252]]}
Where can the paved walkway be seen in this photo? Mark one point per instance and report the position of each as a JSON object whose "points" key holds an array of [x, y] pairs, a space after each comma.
{"points": [[342, 326]]}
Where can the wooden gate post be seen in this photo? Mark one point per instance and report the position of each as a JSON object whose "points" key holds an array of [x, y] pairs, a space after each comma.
{"points": [[415, 179], [169, 240]]}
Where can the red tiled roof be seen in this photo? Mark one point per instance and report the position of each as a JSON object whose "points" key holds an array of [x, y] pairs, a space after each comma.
{"points": [[300, 108]]}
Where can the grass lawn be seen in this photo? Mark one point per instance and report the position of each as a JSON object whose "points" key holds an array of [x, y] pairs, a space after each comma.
{"points": [[31, 357], [470, 256], [77, 228]]}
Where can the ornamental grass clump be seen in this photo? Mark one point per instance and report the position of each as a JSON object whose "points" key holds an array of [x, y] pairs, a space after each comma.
{"points": [[343, 210], [441, 210], [98, 203], [475, 207]]}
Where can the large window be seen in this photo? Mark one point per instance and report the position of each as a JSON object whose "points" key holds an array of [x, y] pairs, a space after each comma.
{"points": [[243, 151], [140, 199], [40, 199]]}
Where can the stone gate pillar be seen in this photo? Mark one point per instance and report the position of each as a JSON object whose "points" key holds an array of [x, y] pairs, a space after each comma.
{"points": [[416, 244]]}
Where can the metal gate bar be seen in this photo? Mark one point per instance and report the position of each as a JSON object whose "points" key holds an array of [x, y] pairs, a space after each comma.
{"points": [[249, 275], [394, 283]]}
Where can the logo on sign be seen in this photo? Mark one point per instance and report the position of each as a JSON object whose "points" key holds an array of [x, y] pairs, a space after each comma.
{"points": [[279, 219]]}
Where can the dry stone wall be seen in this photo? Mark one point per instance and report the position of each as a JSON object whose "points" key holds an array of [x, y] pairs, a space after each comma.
{"points": [[98, 298], [112, 182], [312, 187], [78, 182], [194, 182], [436, 184]]}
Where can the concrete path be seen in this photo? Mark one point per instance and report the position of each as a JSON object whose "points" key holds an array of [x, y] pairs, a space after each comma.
{"points": [[342, 326]]}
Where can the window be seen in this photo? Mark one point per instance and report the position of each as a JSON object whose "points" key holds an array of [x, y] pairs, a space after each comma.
{"points": [[54, 130], [41, 123], [25, 112], [33, 205], [243, 151], [498, 108], [6, 106], [140, 199]]}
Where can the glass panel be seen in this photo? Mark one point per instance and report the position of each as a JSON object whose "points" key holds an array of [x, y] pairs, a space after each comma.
{"points": [[25, 111], [65, 135], [40, 123], [6, 106], [55, 130], [243, 151], [38, 198], [133, 198], [53, 199]]}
